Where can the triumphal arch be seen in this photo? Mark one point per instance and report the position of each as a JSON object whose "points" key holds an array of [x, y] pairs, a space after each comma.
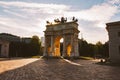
{"points": [[61, 29]]}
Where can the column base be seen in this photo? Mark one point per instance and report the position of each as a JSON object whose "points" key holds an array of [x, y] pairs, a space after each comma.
{"points": [[74, 55]]}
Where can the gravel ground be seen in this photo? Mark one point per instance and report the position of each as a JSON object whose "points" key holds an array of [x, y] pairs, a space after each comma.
{"points": [[56, 69]]}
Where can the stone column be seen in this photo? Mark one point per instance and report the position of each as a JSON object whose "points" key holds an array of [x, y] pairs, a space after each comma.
{"points": [[76, 46], [72, 46], [45, 48], [52, 46], [64, 46]]}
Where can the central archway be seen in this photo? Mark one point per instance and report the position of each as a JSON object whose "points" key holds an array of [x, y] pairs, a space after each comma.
{"points": [[57, 46]]}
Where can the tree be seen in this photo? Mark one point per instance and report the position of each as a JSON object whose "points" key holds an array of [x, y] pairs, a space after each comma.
{"points": [[99, 49], [35, 39], [35, 45], [106, 49], [85, 49]]}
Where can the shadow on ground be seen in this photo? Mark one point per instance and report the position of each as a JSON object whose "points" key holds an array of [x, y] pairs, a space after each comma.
{"points": [[42, 69], [109, 64], [58, 69]]}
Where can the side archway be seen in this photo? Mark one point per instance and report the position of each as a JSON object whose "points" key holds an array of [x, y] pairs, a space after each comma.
{"points": [[69, 50]]}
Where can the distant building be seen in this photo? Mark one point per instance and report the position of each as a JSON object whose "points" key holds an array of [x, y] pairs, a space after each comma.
{"points": [[26, 40], [4, 48], [114, 41], [6, 44], [14, 46], [9, 37], [42, 41]]}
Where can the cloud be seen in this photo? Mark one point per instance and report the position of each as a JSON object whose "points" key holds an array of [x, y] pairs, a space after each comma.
{"points": [[19, 28], [34, 10], [14, 13], [32, 5], [25, 18], [97, 13], [114, 1], [92, 21], [91, 33], [28, 17], [36, 7]]}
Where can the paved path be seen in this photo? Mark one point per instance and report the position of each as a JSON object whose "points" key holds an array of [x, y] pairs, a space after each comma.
{"points": [[56, 69]]}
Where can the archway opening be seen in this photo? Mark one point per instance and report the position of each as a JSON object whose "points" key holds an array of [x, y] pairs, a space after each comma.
{"points": [[61, 46], [68, 50], [58, 46]]}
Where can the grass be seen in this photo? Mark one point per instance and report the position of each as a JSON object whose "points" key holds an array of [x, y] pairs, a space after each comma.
{"points": [[36, 56], [86, 58]]}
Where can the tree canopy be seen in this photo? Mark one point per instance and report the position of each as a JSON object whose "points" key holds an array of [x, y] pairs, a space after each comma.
{"points": [[98, 50]]}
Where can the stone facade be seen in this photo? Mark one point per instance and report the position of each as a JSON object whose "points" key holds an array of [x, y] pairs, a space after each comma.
{"points": [[14, 46], [114, 41], [66, 30], [4, 48]]}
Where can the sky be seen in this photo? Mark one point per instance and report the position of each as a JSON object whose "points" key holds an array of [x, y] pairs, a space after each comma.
{"points": [[26, 18]]}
